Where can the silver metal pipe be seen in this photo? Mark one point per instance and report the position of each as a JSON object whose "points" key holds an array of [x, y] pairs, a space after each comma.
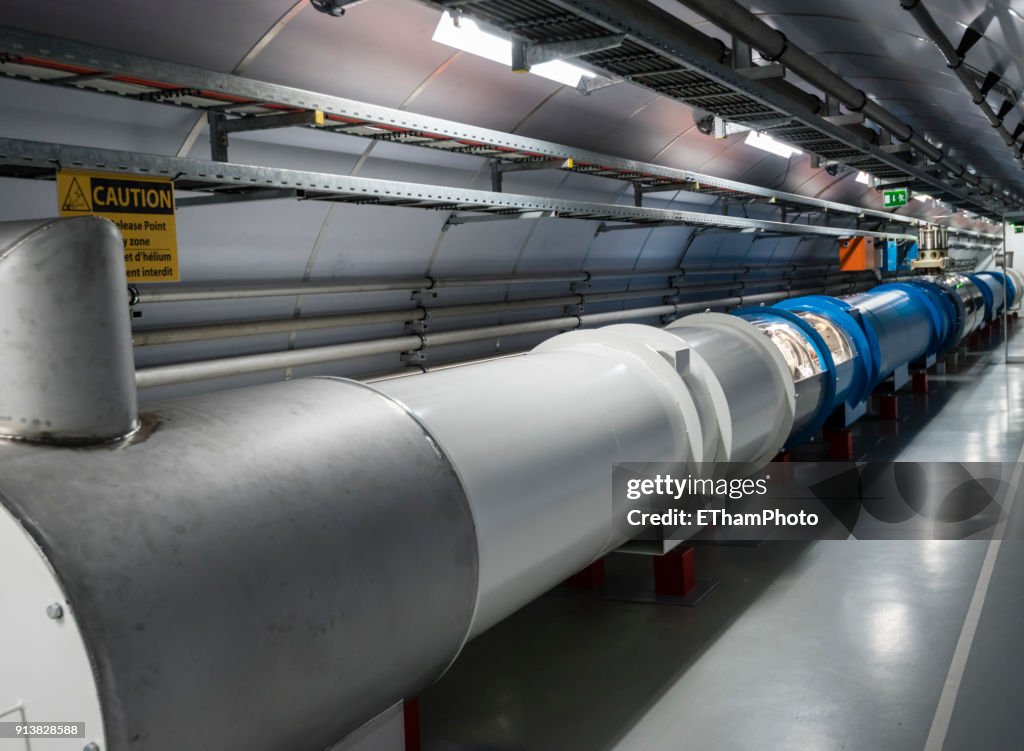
{"points": [[163, 375], [227, 367], [207, 332], [421, 368], [168, 293], [233, 329], [159, 293]]}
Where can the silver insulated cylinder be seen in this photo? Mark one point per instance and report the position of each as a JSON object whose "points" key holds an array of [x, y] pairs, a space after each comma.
{"points": [[65, 334], [259, 569]]}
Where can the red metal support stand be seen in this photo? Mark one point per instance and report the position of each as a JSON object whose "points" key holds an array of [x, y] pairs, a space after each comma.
{"points": [[592, 577], [919, 382], [889, 407], [411, 718], [840, 444], [675, 572]]}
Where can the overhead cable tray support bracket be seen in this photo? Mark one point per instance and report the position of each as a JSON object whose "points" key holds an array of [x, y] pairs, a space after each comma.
{"points": [[851, 118], [897, 148], [499, 168], [760, 72], [221, 127]]}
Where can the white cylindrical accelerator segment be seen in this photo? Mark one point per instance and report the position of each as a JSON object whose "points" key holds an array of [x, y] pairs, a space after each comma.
{"points": [[534, 439], [1018, 283]]}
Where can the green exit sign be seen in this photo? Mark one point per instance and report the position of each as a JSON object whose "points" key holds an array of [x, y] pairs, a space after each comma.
{"points": [[1018, 229], [895, 197]]}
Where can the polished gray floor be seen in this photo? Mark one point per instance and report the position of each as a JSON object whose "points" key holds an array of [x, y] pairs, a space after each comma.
{"points": [[817, 646]]}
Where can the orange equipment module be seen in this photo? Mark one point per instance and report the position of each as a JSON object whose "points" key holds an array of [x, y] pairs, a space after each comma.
{"points": [[859, 254]]}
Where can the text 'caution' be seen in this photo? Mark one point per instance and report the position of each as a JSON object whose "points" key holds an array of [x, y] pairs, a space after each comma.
{"points": [[141, 207]]}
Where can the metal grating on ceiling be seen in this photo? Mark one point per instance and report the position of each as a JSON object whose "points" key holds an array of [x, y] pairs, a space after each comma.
{"points": [[640, 60]]}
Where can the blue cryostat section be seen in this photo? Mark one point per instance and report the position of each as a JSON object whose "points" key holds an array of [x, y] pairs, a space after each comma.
{"points": [[852, 344]]}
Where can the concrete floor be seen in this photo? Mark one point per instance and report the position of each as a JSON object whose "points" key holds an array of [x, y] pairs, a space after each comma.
{"points": [[884, 645]]}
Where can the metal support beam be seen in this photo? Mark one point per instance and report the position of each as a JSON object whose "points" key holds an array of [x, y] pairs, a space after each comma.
{"points": [[663, 187], [456, 220], [499, 168], [761, 72], [221, 127], [254, 195], [850, 118]]}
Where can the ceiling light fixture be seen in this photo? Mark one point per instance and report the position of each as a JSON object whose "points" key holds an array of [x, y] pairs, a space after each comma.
{"points": [[766, 143], [467, 36]]}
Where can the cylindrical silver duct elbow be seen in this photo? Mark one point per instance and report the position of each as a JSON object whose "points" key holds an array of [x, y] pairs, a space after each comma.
{"points": [[264, 568], [65, 335]]}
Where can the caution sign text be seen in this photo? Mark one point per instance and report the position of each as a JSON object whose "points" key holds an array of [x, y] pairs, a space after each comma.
{"points": [[141, 207]]}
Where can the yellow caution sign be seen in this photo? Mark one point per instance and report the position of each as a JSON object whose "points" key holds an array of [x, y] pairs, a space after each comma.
{"points": [[141, 207]]}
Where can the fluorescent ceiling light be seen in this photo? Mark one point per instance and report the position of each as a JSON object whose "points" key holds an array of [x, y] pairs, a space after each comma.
{"points": [[922, 197], [469, 37], [864, 178], [767, 143]]}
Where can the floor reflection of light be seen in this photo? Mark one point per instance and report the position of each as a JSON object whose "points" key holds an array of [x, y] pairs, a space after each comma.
{"points": [[889, 626], [977, 445], [934, 555]]}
